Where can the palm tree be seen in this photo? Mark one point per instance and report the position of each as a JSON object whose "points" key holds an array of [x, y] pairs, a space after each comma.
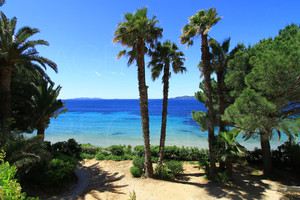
{"points": [[17, 51], [44, 105], [137, 32], [200, 24], [164, 55]]}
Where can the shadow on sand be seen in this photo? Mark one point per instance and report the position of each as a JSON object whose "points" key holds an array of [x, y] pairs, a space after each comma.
{"points": [[102, 181], [243, 186]]}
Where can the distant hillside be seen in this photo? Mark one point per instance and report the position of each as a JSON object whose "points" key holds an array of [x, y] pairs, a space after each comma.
{"points": [[184, 97]]}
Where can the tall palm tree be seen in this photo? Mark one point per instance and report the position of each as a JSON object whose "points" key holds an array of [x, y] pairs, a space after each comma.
{"points": [[44, 105], [165, 54], [200, 24], [16, 50], [139, 33]]}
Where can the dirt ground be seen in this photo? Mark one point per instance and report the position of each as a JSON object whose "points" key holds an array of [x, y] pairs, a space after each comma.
{"points": [[111, 180]]}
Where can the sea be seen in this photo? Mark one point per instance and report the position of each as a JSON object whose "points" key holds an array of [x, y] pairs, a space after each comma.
{"points": [[104, 122]]}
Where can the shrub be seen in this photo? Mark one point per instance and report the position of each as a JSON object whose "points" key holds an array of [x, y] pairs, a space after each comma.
{"points": [[288, 154], [139, 151], [86, 156], [204, 164], [69, 148], [154, 159], [139, 163], [9, 187], [127, 157], [175, 167], [254, 156], [61, 168], [128, 150], [221, 177], [117, 150], [171, 152], [135, 171], [113, 157], [162, 171], [100, 156], [90, 149], [154, 151]]}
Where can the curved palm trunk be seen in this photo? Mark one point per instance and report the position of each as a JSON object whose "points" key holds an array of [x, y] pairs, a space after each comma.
{"points": [[5, 107], [266, 153], [144, 107], [41, 131], [164, 113], [209, 104], [221, 101]]}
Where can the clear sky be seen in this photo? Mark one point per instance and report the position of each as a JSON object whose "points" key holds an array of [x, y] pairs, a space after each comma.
{"points": [[80, 34]]}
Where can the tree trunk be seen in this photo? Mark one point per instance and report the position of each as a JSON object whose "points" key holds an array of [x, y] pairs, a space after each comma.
{"points": [[229, 167], [209, 104], [41, 130], [5, 97], [164, 113], [221, 101], [144, 106], [266, 152]]}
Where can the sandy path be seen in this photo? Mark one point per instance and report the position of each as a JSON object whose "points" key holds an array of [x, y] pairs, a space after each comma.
{"points": [[111, 180]]}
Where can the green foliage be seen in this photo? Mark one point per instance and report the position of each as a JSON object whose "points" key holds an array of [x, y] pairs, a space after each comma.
{"points": [[70, 148], [117, 150], [139, 163], [61, 168], [175, 167], [154, 159], [100, 156], [139, 151], [135, 171], [9, 187], [162, 171], [86, 156], [221, 177], [204, 164], [89, 149], [113, 157]]}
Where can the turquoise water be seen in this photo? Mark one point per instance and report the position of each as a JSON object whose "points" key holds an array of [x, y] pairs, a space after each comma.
{"points": [[106, 122]]}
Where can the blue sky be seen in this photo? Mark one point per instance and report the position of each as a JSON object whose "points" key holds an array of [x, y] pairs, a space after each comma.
{"points": [[80, 34]]}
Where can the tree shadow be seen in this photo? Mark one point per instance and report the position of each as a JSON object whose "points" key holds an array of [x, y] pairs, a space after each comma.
{"points": [[243, 186], [101, 181]]}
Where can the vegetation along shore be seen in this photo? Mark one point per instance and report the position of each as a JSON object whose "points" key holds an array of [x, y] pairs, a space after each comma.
{"points": [[246, 91]]}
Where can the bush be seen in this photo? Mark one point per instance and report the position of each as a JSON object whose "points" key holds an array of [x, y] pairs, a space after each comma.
{"points": [[171, 152], [288, 154], [254, 156], [90, 149], [135, 171], [162, 171], [175, 167], [204, 164], [127, 157], [139, 151], [113, 157], [100, 156], [139, 162], [86, 156], [117, 150], [154, 151], [61, 168], [69, 148], [154, 159], [9, 187]]}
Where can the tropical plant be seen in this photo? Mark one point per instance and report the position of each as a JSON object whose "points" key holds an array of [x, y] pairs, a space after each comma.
{"points": [[139, 33], [231, 150], [200, 24], [9, 187], [44, 105], [16, 50], [165, 54]]}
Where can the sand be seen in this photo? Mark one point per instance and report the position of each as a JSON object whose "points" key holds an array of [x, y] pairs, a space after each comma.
{"points": [[111, 180]]}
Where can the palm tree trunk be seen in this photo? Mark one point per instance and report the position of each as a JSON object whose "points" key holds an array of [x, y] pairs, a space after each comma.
{"points": [[229, 167], [41, 131], [144, 106], [221, 101], [266, 152], [209, 105], [164, 113], [5, 107]]}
